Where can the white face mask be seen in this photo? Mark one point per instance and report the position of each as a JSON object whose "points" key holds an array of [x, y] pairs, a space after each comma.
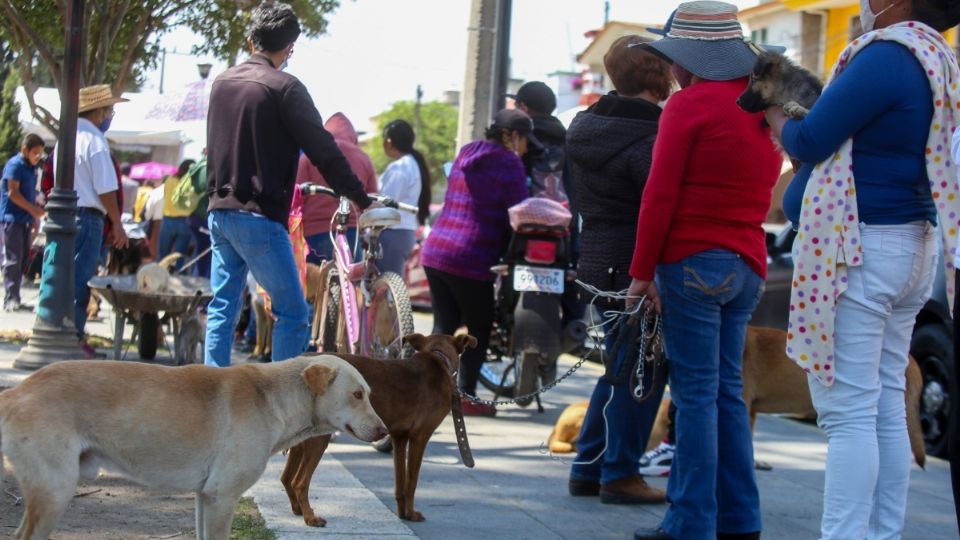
{"points": [[867, 17]]}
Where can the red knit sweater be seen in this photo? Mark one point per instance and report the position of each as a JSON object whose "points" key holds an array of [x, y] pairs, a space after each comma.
{"points": [[714, 168]]}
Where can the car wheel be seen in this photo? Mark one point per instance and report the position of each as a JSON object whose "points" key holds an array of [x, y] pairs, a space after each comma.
{"points": [[933, 350]]}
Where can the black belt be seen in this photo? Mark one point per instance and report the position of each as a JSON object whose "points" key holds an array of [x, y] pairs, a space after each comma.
{"points": [[91, 210]]}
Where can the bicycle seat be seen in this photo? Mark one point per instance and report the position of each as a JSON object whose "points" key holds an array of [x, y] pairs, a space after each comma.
{"points": [[379, 218]]}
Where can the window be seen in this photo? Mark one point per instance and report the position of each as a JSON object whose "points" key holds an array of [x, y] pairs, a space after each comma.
{"points": [[758, 36]]}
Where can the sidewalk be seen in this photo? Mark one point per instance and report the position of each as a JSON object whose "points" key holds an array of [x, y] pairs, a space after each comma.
{"points": [[517, 492]]}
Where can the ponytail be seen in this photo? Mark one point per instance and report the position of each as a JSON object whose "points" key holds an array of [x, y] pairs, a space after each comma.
{"points": [[423, 212]]}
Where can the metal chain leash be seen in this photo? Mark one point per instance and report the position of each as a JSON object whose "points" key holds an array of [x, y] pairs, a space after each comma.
{"points": [[525, 396], [651, 350], [608, 316]]}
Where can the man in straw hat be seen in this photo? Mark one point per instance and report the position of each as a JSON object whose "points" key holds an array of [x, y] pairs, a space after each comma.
{"points": [[723, 161], [259, 120], [95, 181]]}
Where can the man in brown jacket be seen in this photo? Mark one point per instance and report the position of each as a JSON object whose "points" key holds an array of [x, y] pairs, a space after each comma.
{"points": [[259, 120]]}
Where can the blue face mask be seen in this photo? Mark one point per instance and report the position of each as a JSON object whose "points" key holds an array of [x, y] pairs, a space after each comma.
{"points": [[105, 125]]}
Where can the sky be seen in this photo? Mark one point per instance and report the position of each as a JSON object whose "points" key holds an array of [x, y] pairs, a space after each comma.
{"points": [[376, 52]]}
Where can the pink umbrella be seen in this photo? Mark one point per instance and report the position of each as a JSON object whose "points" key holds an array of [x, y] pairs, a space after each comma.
{"points": [[151, 170]]}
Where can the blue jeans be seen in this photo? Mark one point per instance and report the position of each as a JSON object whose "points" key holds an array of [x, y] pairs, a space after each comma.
{"points": [[707, 300], [321, 248], [242, 241], [86, 259], [625, 431], [201, 238], [175, 236], [396, 245]]}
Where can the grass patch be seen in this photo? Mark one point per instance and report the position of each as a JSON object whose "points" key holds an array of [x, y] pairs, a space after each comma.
{"points": [[248, 524]]}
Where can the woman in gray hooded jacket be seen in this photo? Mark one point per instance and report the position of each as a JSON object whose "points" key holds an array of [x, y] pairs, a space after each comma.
{"points": [[610, 148]]}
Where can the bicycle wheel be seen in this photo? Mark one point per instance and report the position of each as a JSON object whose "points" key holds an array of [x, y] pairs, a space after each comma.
{"points": [[328, 328], [387, 319]]}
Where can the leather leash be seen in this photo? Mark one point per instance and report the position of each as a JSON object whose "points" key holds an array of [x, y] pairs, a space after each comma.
{"points": [[456, 411]]}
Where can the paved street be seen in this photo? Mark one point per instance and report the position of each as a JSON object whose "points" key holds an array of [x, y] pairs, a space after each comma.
{"points": [[517, 492]]}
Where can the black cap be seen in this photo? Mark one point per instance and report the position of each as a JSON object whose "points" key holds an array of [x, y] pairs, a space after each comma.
{"points": [[537, 96], [666, 27], [515, 119]]}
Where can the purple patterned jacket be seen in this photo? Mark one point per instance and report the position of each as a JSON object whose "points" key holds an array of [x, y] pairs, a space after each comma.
{"points": [[468, 237]]}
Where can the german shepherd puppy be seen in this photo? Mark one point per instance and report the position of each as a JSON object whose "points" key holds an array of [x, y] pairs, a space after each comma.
{"points": [[778, 81]]}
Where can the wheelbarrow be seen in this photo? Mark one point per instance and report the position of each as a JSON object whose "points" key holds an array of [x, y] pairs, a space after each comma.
{"points": [[183, 295]]}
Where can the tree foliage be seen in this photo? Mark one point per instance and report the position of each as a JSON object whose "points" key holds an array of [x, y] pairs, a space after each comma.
{"points": [[10, 133], [223, 23], [436, 137], [122, 37]]}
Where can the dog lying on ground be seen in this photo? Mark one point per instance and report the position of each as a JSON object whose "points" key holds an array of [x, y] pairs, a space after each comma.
{"points": [[776, 80], [263, 346], [772, 384], [205, 429], [413, 396], [153, 277]]}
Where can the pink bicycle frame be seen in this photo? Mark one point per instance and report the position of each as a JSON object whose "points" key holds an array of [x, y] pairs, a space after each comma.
{"points": [[348, 293]]}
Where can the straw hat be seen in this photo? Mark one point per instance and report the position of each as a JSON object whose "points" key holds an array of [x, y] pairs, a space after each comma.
{"points": [[96, 96], [706, 38]]}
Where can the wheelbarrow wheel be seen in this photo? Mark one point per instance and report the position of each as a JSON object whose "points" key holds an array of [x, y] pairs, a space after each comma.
{"points": [[149, 332]]}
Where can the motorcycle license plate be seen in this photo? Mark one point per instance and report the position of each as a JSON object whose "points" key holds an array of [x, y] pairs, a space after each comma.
{"points": [[533, 279]]}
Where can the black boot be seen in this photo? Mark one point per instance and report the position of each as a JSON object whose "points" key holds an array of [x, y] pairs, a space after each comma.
{"points": [[651, 534]]}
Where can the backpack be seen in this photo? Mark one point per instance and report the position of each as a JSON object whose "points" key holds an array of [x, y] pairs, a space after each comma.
{"points": [[191, 187], [546, 175]]}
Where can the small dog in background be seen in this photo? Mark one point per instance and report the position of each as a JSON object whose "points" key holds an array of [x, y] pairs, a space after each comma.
{"points": [[153, 277], [776, 80]]}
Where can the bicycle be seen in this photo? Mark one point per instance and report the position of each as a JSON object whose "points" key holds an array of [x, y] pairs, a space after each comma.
{"points": [[359, 310]]}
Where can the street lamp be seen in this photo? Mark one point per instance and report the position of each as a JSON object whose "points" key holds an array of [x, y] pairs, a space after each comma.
{"points": [[54, 334]]}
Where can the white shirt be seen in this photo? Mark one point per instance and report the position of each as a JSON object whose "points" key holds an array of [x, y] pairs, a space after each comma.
{"points": [[93, 173], [153, 208], [401, 182]]}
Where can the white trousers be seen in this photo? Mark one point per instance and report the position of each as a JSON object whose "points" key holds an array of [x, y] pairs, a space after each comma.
{"points": [[863, 413]]}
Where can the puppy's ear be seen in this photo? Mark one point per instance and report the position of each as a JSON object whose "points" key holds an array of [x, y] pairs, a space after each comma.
{"points": [[764, 66], [465, 340], [416, 341], [319, 377]]}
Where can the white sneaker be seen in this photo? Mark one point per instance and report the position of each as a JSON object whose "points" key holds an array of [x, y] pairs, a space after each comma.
{"points": [[657, 461]]}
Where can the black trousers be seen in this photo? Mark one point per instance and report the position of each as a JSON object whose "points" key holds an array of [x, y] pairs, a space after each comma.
{"points": [[461, 301], [953, 436], [16, 252]]}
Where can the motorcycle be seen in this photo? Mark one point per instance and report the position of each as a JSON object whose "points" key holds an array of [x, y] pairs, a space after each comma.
{"points": [[527, 336]]}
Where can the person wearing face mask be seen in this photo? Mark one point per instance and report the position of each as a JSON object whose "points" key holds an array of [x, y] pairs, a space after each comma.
{"points": [[18, 213], [884, 122], [700, 259], [96, 183], [260, 118], [467, 239]]}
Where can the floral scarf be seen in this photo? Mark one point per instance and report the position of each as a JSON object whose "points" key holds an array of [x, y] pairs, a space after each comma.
{"points": [[829, 237]]}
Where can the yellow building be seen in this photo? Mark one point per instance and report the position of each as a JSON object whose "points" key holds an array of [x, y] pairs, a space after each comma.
{"points": [[842, 25]]}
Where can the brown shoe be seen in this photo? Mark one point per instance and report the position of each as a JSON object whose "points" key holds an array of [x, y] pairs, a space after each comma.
{"points": [[631, 490]]}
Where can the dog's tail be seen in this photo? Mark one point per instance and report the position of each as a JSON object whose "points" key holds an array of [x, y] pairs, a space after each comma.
{"points": [[168, 261], [557, 446], [914, 428]]}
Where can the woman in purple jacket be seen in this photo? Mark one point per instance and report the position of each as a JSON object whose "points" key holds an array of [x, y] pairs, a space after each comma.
{"points": [[487, 178]]}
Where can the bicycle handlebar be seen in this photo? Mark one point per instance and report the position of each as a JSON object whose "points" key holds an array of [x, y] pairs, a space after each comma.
{"points": [[308, 188]]}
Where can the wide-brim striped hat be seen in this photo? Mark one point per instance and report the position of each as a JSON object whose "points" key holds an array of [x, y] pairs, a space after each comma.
{"points": [[706, 39]]}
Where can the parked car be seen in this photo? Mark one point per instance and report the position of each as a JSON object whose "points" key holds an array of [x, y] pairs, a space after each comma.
{"points": [[932, 343]]}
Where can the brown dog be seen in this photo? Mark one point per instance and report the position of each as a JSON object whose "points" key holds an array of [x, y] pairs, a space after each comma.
{"points": [[412, 396], [772, 384], [263, 346]]}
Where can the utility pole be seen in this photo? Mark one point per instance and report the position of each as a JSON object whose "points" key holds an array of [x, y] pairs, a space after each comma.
{"points": [[416, 110], [54, 334], [478, 99]]}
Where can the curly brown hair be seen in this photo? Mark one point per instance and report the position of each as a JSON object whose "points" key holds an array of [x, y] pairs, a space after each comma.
{"points": [[633, 70]]}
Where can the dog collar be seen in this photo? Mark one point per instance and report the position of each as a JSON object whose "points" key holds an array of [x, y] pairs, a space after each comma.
{"points": [[441, 354]]}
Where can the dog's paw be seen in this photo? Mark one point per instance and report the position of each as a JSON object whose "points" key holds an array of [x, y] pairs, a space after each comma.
{"points": [[314, 521], [414, 516], [794, 109]]}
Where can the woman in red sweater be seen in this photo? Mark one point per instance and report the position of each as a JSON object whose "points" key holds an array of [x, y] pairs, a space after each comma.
{"points": [[700, 259]]}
